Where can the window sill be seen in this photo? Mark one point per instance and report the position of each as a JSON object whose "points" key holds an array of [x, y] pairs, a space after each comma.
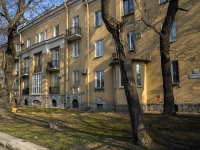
{"points": [[99, 89], [98, 56], [75, 56], [131, 50], [127, 15], [96, 26], [172, 41], [175, 84], [121, 87]]}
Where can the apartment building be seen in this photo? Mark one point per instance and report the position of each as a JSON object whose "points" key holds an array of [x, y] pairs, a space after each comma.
{"points": [[66, 58]]}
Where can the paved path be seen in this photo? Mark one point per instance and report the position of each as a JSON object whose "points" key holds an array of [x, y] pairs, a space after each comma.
{"points": [[13, 143]]}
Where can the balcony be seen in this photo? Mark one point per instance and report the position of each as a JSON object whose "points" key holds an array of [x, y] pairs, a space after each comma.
{"points": [[38, 68], [25, 91], [53, 66], [16, 56], [24, 72], [54, 90], [73, 33]]}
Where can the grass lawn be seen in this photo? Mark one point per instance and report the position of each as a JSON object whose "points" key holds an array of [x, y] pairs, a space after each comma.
{"points": [[99, 130]]}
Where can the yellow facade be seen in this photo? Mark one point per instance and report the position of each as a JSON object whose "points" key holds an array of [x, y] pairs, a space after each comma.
{"points": [[67, 57]]}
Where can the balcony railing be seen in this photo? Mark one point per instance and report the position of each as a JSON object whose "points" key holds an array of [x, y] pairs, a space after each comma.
{"points": [[25, 91], [24, 72], [16, 56], [38, 68], [53, 65], [73, 33], [54, 90]]}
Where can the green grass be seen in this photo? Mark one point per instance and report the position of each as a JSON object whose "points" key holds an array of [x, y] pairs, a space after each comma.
{"points": [[99, 130]]}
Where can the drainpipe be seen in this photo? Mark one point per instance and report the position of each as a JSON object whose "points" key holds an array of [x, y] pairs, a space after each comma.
{"points": [[66, 63], [19, 84], [88, 55]]}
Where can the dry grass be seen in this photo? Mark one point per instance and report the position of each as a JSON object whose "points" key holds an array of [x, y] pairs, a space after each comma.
{"points": [[99, 130]]}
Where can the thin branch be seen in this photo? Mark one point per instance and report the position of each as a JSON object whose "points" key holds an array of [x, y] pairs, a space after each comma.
{"points": [[5, 11], [182, 9]]}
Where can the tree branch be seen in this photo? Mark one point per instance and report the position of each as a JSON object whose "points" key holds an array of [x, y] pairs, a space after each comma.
{"points": [[5, 10], [182, 9]]}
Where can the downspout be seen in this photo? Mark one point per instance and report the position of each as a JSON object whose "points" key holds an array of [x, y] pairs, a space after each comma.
{"points": [[19, 84], [88, 55], [66, 63]]}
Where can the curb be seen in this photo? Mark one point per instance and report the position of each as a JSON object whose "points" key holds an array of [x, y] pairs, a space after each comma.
{"points": [[13, 143]]}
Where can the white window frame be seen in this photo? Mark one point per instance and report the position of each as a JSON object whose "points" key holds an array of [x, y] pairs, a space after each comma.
{"points": [[17, 67], [75, 21], [56, 30], [98, 18], [75, 49], [131, 40], [138, 75], [56, 58], [36, 38], [99, 48], [38, 59], [75, 77], [173, 32], [37, 83], [28, 43], [17, 48], [99, 77], [120, 79], [41, 37]]}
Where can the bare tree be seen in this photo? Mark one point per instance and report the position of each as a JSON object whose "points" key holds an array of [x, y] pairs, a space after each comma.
{"points": [[115, 27]]}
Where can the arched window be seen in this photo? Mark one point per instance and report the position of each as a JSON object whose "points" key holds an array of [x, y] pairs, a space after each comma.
{"points": [[75, 104], [36, 103], [54, 103], [25, 102]]}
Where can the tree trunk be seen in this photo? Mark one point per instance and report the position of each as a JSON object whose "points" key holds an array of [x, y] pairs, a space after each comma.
{"points": [[114, 27], [169, 107]]}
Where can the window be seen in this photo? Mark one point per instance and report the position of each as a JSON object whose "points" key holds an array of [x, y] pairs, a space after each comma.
{"points": [[56, 80], [37, 80], [75, 49], [26, 83], [16, 67], [56, 30], [41, 37], [138, 75], [36, 39], [28, 43], [75, 21], [45, 35], [98, 19], [99, 79], [131, 40], [38, 60], [128, 7], [121, 81], [173, 33], [56, 58], [17, 48], [174, 72], [164, 1], [16, 85], [75, 77], [99, 50]]}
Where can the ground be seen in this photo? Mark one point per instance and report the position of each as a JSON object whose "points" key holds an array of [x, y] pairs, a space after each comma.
{"points": [[80, 130]]}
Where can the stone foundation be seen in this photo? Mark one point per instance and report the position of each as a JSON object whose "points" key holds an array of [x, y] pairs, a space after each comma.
{"points": [[185, 108], [50, 101]]}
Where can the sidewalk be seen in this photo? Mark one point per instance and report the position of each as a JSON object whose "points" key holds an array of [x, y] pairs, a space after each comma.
{"points": [[13, 143]]}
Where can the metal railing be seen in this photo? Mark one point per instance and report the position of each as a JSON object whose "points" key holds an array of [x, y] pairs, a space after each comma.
{"points": [[53, 64], [24, 71], [38, 68], [54, 90], [25, 91], [74, 30]]}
